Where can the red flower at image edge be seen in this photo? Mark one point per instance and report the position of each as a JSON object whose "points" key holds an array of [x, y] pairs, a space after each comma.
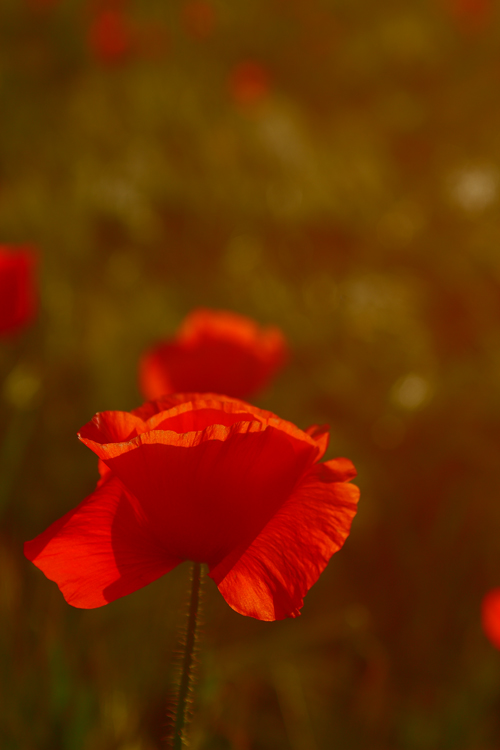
{"points": [[18, 298], [214, 351], [490, 616], [204, 478]]}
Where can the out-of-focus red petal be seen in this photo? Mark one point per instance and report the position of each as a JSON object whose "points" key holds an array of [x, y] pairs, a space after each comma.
{"points": [[18, 297], [203, 323], [249, 83], [209, 491], [166, 402], [101, 550], [269, 579], [114, 426], [195, 401], [105, 472], [110, 35], [336, 470], [490, 616], [214, 351]]}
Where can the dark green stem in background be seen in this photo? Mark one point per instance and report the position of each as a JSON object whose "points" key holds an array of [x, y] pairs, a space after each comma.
{"points": [[181, 715]]}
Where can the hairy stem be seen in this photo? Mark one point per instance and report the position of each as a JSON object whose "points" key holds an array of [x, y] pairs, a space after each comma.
{"points": [[181, 714]]}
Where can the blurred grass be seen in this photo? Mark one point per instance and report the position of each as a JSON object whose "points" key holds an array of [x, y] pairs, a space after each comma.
{"points": [[354, 202]]}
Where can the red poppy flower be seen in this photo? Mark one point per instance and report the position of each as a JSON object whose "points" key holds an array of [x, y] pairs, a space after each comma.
{"points": [[110, 36], [18, 299], [249, 83], [490, 615], [213, 352], [204, 478], [471, 15]]}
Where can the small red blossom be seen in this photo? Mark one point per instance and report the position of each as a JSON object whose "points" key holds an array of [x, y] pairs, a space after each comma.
{"points": [[490, 616], [214, 351], [18, 297], [249, 83], [472, 16], [110, 36], [204, 478]]}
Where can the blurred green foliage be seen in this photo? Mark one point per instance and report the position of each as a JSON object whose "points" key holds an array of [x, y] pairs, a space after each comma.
{"points": [[332, 167]]}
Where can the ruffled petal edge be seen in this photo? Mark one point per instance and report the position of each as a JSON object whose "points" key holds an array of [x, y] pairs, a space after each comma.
{"points": [[270, 578]]}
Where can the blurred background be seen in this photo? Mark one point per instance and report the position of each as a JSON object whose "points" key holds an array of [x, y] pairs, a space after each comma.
{"points": [[329, 166]]}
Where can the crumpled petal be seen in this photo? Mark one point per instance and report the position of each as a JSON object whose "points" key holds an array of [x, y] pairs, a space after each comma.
{"points": [[207, 478], [183, 413], [321, 435], [269, 579], [214, 351], [101, 550]]}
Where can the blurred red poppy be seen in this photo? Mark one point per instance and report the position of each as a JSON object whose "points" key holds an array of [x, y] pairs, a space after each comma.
{"points": [[42, 5], [490, 615], [204, 478], [110, 36], [18, 298], [471, 15], [213, 352], [249, 83]]}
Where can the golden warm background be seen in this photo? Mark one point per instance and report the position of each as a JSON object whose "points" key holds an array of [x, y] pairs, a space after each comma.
{"points": [[329, 166]]}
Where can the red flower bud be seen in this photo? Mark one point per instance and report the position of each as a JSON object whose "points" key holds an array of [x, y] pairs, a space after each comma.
{"points": [[110, 36], [249, 83]]}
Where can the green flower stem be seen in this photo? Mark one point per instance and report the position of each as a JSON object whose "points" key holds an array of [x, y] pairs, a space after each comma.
{"points": [[185, 686]]}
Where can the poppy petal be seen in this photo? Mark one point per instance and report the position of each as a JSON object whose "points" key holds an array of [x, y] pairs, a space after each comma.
{"points": [[101, 550], [181, 402], [270, 578], [202, 410], [214, 351], [206, 492], [150, 408], [337, 470], [18, 297]]}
